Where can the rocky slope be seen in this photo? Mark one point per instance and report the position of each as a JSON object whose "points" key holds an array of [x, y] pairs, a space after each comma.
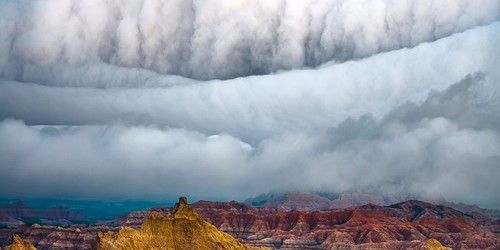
{"points": [[183, 229], [434, 244], [19, 244]]}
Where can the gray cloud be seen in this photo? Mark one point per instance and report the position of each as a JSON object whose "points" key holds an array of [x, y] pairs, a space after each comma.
{"points": [[43, 40]]}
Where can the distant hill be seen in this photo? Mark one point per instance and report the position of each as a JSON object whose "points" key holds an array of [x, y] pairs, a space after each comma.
{"points": [[18, 213], [311, 201]]}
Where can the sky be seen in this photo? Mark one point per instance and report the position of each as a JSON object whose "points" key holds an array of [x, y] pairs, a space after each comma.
{"points": [[222, 100]]}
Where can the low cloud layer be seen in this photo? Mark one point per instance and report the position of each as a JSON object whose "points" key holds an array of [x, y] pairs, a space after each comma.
{"points": [[429, 149], [114, 99]]}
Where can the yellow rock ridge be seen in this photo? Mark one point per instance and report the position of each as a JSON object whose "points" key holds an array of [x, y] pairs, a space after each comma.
{"points": [[19, 244], [433, 244], [184, 229]]}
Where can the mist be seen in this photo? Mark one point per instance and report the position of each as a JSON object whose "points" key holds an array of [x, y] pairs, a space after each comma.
{"points": [[225, 100]]}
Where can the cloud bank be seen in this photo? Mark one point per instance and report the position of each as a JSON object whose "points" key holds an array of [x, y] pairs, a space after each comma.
{"points": [[115, 99], [429, 149]]}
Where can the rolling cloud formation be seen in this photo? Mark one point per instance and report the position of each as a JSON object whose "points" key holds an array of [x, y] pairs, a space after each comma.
{"points": [[229, 99], [216, 39]]}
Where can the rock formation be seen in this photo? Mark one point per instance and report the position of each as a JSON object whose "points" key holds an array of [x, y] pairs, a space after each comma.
{"points": [[19, 244], [184, 229], [433, 244]]}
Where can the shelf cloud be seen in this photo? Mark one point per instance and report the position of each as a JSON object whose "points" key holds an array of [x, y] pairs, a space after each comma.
{"points": [[216, 39]]}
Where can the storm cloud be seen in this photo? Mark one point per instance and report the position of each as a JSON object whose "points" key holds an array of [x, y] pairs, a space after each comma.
{"points": [[216, 39], [120, 99]]}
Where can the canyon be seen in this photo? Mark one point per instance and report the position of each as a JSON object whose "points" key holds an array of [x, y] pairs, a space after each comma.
{"points": [[408, 225]]}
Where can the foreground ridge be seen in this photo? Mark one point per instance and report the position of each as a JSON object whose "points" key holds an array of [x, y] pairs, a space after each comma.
{"points": [[433, 244], [19, 244], [183, 229]]}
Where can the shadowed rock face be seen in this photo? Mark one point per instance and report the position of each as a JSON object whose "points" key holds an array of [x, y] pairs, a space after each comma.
{"points": [[183, 229]]}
